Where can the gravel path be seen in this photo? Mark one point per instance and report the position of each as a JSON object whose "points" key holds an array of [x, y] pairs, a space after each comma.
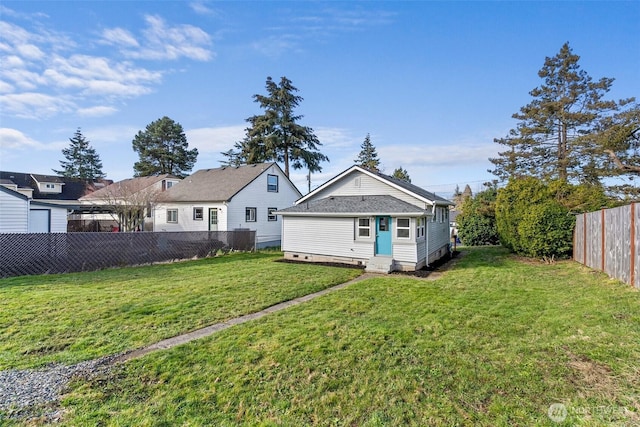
{"points": [[21, 390]]}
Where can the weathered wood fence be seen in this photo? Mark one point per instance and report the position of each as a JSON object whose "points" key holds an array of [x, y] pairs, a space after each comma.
{"points": [[609, 240]]}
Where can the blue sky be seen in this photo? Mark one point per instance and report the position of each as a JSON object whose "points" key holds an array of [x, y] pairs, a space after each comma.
{"points": [[432, 82]]}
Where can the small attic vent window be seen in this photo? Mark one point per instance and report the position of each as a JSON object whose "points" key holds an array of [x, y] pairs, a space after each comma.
{"points": [[356, 182]]}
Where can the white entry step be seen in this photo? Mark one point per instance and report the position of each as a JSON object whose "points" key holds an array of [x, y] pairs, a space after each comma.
{"points": [[380, 264]]}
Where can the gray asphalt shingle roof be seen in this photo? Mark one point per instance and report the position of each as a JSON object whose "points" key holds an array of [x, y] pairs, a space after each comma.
{"points": [[214, 185], [354, 205]]}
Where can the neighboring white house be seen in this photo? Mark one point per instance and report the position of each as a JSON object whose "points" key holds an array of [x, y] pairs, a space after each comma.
{"points": [[366, 218], [127, 202], [20, 214], [228, 198]]}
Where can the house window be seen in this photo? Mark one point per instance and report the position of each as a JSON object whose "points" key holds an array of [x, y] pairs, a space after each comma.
{"points": [[51, 186], [198, 214], [272, 183], [271, 216], [402, 228], [169, 184], [172, 215], [250, 214], [364, 227], [420, 222]]}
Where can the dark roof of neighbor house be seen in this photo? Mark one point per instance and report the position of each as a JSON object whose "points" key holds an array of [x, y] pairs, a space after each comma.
{"points": [[354, 205], [126, 187], [214, 185], [73, 188]]}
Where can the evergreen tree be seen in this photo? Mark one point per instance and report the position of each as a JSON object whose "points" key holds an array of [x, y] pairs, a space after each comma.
{"points": [[402, 174], [368, 157], [276, 135], [82, 160], [477, 222], [548, 141], [163, 148]]}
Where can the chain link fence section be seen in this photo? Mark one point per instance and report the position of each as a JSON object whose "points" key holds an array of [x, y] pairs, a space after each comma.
{"points": [[48, 253]]}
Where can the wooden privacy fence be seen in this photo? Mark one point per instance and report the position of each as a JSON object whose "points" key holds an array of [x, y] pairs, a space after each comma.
{"points": [[609, 240]]}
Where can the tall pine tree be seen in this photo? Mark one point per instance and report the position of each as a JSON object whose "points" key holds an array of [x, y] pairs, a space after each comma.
{"points": [[163, 148], [368, 156], [277, 135], [82, 160], [548, 141]]}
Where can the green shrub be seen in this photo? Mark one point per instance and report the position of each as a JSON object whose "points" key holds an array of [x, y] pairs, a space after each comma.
{"points": [[477, 222], [533, 220]]}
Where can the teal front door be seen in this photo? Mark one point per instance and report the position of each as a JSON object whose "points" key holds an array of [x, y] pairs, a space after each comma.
{"points": [[383, 235]]}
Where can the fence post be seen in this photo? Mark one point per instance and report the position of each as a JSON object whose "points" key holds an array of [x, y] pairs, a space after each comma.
{"points": [[584, 237], [633, 244], [603, 231]]}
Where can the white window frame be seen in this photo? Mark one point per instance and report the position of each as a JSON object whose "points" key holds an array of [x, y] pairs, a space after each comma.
{"points": [[270, 186], [250, 214], [172, 216], [198, 210], [270, 214], [403, 228], [360, 228], [420, 227]]}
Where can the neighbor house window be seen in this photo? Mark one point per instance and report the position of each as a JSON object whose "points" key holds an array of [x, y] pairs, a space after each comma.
{"points": [[271, 216], [402, 228], [51, 186], [272, 183], [250, 214], [198, 214], [172, 215], [364, 227], [420, 222]]}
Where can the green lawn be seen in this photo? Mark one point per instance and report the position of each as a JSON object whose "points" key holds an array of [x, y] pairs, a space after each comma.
{"points": [[493, 342], [73, 317]]}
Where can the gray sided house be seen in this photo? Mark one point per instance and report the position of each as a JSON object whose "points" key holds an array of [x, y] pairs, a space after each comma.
{"points": [[366, 218], [226, 199], [21, 214]]}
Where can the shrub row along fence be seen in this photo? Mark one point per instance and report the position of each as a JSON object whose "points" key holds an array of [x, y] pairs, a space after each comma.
{"points": [[609, 240], [42, 253]]}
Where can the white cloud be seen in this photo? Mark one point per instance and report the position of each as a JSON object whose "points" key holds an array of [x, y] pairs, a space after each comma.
{"points": [[162, 42], [276, 45], [119, 37], [6, 87], [41, 80], [31, 105], [201, 8], [15, 140], [215, 139], [98, 111], [335, 138], [457, 154]]}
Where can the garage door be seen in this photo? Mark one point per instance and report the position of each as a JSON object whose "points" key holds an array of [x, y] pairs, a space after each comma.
{"points": [[39, 221]]}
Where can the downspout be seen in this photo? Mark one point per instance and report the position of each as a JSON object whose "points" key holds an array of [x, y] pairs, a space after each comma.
{"points": [[426, 236]]}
